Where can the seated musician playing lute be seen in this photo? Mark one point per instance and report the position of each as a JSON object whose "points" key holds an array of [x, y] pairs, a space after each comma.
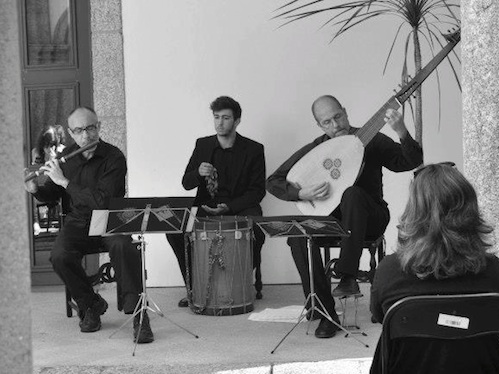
{"points": [[362, 209]]}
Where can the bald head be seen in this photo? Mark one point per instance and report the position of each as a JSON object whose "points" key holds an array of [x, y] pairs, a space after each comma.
{"points": [[82, 113], [331, 117], [324, 101], [83, 126]]}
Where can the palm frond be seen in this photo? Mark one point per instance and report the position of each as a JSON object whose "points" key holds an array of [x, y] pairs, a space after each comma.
{"points": [[345, 28], [391, 48], [423, 17], [429, 39]]}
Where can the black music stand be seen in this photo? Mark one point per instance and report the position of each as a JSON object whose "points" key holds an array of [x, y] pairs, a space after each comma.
{"points": [[128, 216], [308, 227]]}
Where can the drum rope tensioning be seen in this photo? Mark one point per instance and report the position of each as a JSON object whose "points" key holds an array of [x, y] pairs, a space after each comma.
{"points": [[221, 267]]}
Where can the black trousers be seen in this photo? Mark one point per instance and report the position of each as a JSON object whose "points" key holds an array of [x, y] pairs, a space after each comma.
{"points": [[178, 244], [360, 214], [73, 243]]}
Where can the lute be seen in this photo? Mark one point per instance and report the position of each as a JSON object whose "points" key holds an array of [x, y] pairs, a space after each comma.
{"points": [[339, 160]]}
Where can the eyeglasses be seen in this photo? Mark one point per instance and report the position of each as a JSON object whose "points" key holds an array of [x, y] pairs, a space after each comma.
{"points": [[328, 122], [445, 163], [89, 129]]}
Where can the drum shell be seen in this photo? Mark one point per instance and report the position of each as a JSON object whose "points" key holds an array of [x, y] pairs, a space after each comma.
{"points": [[222, 270]]}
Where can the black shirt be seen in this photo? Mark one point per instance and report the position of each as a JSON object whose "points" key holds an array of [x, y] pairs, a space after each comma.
{"points": [[92, 183], [223, 162], [381, 152]]}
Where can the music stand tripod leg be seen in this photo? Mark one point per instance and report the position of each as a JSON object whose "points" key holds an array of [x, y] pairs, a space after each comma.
{"points": [[144, 300], [312, 296]]}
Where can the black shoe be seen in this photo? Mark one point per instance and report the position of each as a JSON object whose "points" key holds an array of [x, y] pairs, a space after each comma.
{"points": [[183, 303], [348, 286], [145, 335], [326, 329], [81, 315], [92, 323], [100, 305]]}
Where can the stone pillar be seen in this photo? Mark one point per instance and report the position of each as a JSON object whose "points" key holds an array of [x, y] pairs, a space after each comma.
{"points": [[15, 304], [108, 70], [109, 75], [480, 72]]}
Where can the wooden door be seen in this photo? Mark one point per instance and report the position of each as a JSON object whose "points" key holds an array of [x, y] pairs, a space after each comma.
{"points": [[56, 77]]}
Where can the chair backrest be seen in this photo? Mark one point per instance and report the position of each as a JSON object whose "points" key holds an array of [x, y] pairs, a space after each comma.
{"points": [[440, 317]]}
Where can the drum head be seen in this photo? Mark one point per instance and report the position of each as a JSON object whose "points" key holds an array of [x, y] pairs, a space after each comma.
{"points": [[223, 223]]}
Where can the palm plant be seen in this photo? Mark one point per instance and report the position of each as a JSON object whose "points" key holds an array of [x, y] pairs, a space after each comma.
{"points": [[423, 17]]}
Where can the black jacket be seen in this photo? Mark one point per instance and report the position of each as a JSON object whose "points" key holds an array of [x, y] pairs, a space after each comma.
{"points": [[248, 181]]}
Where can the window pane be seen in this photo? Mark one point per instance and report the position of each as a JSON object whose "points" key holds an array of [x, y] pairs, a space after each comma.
{"points": [[46, 225], [49, 107], [49, 32]]}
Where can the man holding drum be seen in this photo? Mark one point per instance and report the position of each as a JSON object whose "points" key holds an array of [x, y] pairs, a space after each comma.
{"points": [[228, 171], [87, 182], [362, 209]]}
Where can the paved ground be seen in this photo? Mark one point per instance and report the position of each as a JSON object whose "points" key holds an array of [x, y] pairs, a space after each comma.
{"points": [[230, 344]]}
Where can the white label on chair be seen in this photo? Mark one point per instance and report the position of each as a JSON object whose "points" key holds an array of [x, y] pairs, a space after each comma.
{"points": [[202, 235], [453, 321], [238, 234]]}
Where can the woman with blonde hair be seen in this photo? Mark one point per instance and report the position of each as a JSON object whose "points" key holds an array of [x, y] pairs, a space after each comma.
{"points": [[442, 248]]}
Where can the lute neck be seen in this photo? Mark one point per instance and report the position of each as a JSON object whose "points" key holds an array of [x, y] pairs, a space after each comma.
{"points": [[367, 132]]}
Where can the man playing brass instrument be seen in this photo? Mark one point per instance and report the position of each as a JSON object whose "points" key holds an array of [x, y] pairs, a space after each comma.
{"points": [[362, 209], [86, 182]]}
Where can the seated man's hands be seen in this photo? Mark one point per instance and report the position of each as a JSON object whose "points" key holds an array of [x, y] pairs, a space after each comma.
{"points": [[396, 121], [54, 171], [205, 169], [314, 192], [219, 210]]}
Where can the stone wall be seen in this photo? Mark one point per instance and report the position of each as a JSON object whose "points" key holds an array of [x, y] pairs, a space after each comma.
{"points": [[480, 72], [108, 70], [108, 74], [15, 313]]}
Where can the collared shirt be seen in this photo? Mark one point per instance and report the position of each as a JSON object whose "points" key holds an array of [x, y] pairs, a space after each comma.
{"points": [[222, 160], [92, 183]]}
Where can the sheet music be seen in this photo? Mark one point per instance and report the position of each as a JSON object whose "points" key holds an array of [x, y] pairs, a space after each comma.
{"points": [[192, 219], [300, 226], [98, 223]]}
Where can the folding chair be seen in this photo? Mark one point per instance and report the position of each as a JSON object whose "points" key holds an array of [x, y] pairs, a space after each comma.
{"points": [[447, 317]]}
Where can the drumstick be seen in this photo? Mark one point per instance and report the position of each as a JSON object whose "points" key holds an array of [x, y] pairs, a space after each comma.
{"points": [[62, 159]]}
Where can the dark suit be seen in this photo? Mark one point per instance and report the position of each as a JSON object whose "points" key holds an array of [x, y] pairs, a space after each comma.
{"points": [[244, 192], [362, 210]]}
